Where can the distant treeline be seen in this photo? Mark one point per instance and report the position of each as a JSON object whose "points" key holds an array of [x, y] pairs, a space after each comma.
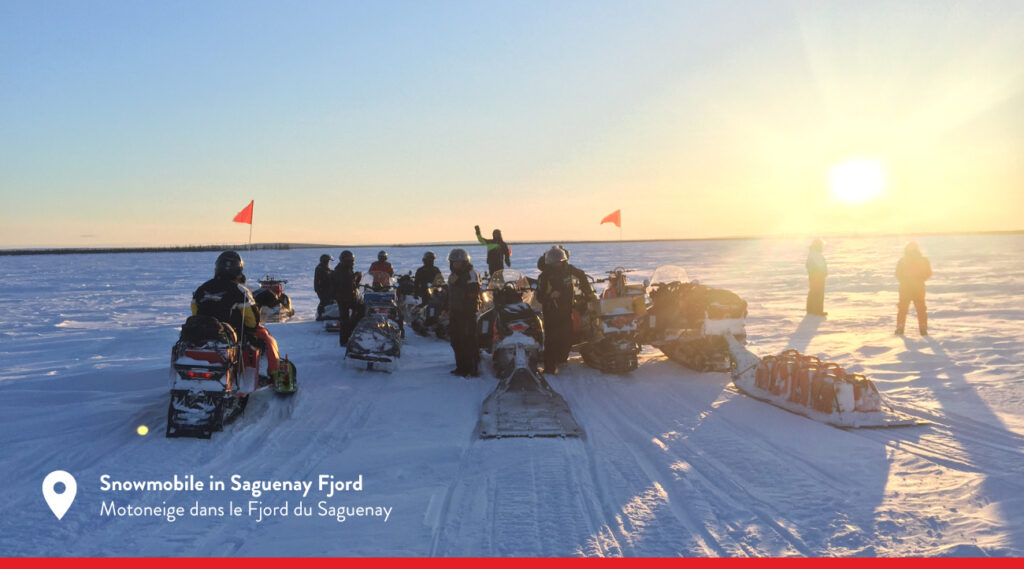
{"points": [[180, 249]]}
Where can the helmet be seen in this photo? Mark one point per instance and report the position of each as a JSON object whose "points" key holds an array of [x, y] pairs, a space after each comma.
{"points": [[554, 256], [429, 256], [325, 258], [228, 265], [458, 255], [347, 255], [382, 256]]}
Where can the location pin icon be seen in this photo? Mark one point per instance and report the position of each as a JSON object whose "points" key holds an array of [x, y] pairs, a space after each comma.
{"points": [[59, 502]]}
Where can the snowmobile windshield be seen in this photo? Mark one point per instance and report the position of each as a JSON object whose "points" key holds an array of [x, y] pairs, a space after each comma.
{"points": [[378, 279], [499, 279], [669, 274]]}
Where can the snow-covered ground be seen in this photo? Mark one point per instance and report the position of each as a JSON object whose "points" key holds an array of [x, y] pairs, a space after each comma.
{"points": [[674, 462]]}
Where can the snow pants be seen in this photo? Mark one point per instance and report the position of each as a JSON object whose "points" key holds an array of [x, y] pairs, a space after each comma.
{"points": [[816, 294], [270, 344], [349, 314], [325, 301], [903, 307], [557, 340], [462, 335]]}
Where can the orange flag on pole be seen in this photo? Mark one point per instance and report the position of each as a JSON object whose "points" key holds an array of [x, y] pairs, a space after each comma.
{"points": [[613, 217], [245, 216]]}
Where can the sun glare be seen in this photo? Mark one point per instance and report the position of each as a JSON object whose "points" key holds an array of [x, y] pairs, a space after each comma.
{"points": [[856, 180]]}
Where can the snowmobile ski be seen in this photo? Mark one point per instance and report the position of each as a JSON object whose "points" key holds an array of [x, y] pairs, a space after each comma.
{"points": [[525, 405]]}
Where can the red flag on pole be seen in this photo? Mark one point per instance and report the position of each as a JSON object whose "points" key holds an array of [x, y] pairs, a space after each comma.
{"points": [[245, 216], [613, 217]]}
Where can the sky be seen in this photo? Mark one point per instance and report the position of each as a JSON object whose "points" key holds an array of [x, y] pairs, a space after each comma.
{"points": [[154, 123]]}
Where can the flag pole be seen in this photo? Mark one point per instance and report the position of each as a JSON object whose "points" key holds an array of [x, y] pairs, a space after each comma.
{"points": [[250, 223]]}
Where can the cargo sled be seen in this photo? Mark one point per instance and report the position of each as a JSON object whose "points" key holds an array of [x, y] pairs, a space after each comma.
{"points": [[819, 390]]}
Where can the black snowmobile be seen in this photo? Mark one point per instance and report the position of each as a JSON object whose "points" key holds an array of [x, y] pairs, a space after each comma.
{"points": [[376, 341], [609, 329], [688, 321], [213, 372], [274, 304], [430, 317], [523, 404]]}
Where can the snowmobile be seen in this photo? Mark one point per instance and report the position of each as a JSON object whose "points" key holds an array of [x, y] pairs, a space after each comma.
{"points": [[523, 404], [331, 318], [431, 316], [610, 332], [807, 386], [376, 341], [274, 304], [212, 374], [688, 321]]}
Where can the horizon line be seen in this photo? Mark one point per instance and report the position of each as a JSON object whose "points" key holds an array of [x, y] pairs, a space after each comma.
{"points": [[286, 246]]}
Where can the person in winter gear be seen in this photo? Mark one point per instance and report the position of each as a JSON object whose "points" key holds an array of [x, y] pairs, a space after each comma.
{"points": [[463, 303], [345, 290], [498, 252], [555, 290], [911, 272], [425, 275], [816, 272], [381, 270], [226, 299], [322, 284]]}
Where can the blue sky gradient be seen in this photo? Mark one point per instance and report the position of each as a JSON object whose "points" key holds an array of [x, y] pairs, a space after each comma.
{"points": [[125, 123]]}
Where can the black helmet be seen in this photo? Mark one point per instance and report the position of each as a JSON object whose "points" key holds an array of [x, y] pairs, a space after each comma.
{"points": [[458, 255], [429, 256], [382, 256], [325, 258], [347, 255], [229, 265]]}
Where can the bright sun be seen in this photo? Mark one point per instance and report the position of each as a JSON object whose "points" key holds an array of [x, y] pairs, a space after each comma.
{"points": [[856, 180]]}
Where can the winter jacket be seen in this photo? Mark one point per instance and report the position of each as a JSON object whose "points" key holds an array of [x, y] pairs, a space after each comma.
{"points": [[464, 293], [816, 266], [425, 275], [322, 280], [911, 271], [561, 281], [227, 301], [379, 267], [498, 253], [345, 283]]}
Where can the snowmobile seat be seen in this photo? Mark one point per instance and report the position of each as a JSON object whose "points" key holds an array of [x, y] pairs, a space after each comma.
{"points": [[200, 330]]}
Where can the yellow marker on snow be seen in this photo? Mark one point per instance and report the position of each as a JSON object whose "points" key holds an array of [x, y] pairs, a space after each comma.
{"points": [[143, 430]]}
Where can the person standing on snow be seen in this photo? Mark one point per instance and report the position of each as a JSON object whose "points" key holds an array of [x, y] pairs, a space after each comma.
{"points": [[555, 291], [381, 270], [463, 303], [911, 271], [816, 272], [425, 276], [226, 299], [345, 289], [498, 252], [322, 284]]}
